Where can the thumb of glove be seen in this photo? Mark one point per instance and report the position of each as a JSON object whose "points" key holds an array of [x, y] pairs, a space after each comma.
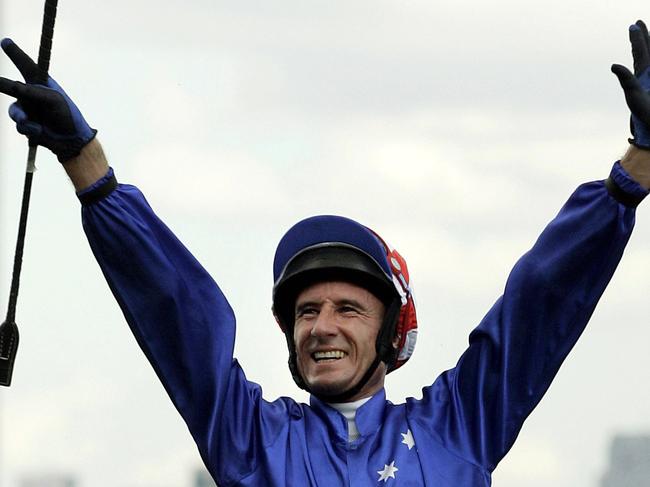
{"points": [[638, 100], [625, 77]]}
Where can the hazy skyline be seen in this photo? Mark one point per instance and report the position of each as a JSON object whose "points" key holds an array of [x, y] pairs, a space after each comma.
{"points": [[455, 129]]}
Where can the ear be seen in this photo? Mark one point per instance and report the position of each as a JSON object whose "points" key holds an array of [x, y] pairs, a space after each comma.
{"points": [[396, 342]]}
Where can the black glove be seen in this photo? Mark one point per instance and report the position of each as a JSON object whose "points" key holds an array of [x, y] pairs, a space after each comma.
{"points": [[637, 86], [43, 112]]}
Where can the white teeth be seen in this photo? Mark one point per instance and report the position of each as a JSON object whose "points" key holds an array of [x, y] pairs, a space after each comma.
{"points": [[331, 354]]}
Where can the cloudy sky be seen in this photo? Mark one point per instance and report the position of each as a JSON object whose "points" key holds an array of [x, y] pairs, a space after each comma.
{"points": [[456, 129]]}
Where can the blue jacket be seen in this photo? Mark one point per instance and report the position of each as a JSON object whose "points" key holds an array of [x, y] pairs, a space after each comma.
{"points": [[454, 436]]}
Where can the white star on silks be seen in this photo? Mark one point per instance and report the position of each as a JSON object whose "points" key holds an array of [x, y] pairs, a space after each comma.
{"points": [[407, 439], [388, 471]]}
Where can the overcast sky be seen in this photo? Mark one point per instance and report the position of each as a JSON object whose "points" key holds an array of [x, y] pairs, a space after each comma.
{"points": [[456, 129]]}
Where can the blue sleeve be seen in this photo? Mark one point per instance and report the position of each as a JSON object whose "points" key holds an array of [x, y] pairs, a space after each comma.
{"points": [[478, 408], [185, 327]]}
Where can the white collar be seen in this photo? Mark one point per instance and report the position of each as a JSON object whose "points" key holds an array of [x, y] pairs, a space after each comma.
{"points": [[349, 411]]}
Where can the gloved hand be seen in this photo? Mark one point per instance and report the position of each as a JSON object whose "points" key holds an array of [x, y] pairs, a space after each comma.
{"points": [[637, 86], [43, 112]]}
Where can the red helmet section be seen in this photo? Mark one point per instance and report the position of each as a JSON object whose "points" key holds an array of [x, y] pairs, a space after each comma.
{"points": [[406, 330]]}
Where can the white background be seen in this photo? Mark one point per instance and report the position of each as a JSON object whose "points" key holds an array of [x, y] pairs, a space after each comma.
{"points": [[456, 129]]}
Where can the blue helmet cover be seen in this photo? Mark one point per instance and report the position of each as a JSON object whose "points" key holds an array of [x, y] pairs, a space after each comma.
{"points": [[325, 229]]}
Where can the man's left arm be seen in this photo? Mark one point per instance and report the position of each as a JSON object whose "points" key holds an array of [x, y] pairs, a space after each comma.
{"points": [[478, 408]]}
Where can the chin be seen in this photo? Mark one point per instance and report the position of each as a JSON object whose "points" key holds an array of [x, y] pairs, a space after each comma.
{"points": [[329, 388]]}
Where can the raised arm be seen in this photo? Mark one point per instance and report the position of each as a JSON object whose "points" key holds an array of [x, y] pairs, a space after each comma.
{"points": [[550, 295], [517, 349], [178, 314]]}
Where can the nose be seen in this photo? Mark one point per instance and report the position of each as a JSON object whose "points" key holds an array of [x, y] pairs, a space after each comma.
{"points": [[324, 324]]}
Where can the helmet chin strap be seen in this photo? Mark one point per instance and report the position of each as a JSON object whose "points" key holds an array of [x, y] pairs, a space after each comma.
{"points": [[384, 352]]}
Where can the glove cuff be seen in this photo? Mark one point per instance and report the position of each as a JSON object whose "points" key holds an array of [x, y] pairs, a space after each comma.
{"points": [[635, 143]]}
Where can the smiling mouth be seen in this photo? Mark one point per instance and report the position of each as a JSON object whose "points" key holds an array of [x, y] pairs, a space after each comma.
{"points": [[329, 356]]}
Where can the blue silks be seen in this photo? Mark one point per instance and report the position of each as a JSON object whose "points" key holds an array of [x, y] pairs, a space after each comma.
{"points": [[454, 436]]}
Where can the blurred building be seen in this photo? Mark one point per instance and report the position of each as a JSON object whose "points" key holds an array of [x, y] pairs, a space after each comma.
{"points": [[48, 481], [629, 462], [202, 479]]}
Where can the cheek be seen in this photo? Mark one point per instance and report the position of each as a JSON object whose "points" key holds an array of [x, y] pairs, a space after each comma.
{"points": [[366, 341], [299, 336]]}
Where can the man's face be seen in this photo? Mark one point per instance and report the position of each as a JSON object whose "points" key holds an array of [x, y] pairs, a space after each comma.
{"points": [[336, 326]]}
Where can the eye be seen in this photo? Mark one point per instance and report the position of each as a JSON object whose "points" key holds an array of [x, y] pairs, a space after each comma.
{"points": [[347, 310], [306, 312]]}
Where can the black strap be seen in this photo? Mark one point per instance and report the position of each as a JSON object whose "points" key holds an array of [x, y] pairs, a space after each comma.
{"points": [[621, 196], [99, 193]]}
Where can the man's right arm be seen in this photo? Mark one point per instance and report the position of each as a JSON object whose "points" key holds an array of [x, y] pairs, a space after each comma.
{"points": [[179, 316], [180, 319]]}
